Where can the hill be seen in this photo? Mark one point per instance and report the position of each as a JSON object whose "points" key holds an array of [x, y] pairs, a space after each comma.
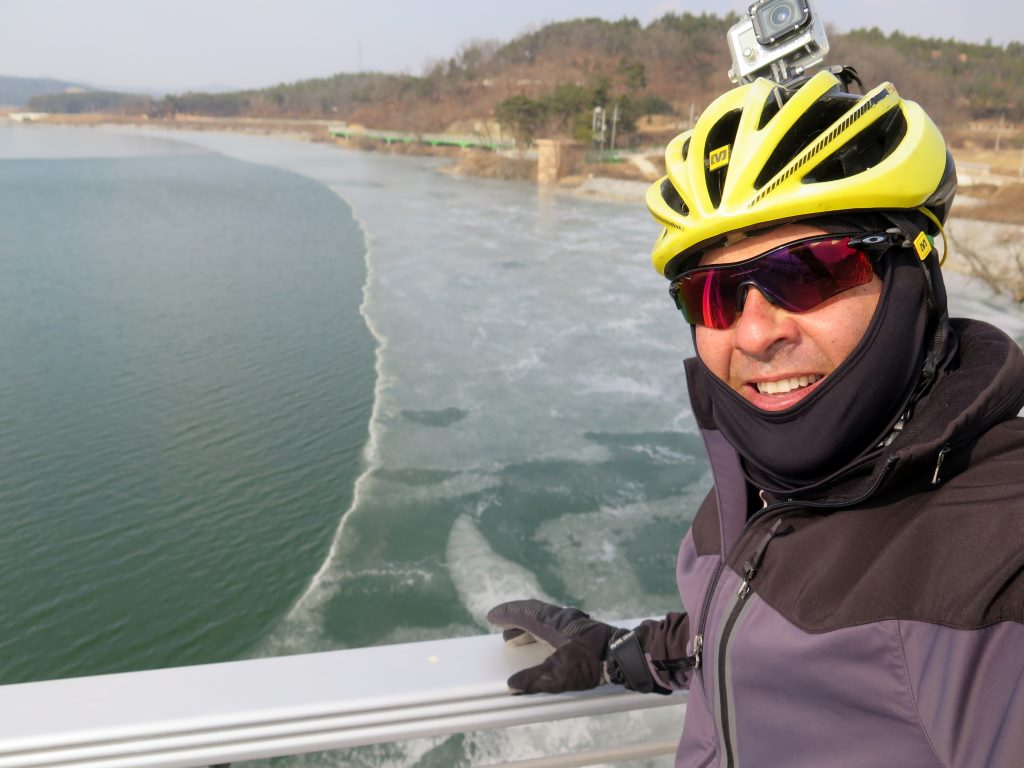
{"points": [[550, 79], [681, 59], [17, 91], [77, 102]]}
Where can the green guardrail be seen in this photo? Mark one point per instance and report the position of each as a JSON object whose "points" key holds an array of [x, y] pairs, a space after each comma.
{"points": [[390, 137]]}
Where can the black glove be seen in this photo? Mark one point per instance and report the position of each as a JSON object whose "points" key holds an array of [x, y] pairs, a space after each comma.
{"points": [[579, 645]]}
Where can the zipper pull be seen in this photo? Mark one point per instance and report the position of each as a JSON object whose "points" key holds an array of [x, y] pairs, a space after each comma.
{"points": [[698, 648], [753, 565], [938, 464]]}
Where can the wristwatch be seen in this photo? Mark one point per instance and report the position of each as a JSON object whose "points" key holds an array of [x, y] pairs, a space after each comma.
{"points": [[626, 664]]}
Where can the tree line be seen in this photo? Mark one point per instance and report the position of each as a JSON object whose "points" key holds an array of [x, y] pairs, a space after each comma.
{"points": [[568, 109], [91, 101], [548, 80]]}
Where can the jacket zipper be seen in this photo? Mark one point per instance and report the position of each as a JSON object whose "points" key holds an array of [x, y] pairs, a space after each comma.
{"points": [[1004, 410], [938, 463], [698, 639], [750, 570]]}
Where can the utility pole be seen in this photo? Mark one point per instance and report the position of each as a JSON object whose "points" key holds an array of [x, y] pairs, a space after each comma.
{"points": [[615, 122], [598, 127]]}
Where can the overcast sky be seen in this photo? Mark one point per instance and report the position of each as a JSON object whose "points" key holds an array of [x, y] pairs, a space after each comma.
{"points": [[199, 44]]}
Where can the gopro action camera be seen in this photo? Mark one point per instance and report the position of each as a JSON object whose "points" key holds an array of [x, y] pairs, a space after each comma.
{"points": [[778, 39]]}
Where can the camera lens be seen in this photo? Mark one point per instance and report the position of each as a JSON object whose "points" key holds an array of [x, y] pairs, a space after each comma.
{"points": [[777, 19], [781, 15]]}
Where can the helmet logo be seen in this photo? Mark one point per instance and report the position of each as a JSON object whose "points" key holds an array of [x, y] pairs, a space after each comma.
{"points": [[719, 158], [922, 245]]}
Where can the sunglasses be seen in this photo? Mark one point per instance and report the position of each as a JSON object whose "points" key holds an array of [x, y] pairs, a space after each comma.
{"points": [[797, 276]]}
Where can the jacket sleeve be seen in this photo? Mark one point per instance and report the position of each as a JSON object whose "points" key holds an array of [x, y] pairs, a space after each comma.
{"points": [[967, 691], [664, 644]]}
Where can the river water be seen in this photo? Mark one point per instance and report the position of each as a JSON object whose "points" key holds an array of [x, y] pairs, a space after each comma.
{"points": [[263, 397]]}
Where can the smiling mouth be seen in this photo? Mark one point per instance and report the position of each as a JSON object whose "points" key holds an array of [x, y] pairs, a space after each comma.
{"points": [[784, 386]]}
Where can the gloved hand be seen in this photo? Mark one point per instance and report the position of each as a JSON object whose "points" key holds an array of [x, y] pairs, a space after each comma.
{"points": [[579, 645]]}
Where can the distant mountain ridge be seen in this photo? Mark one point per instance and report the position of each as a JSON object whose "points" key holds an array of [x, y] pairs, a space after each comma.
{"points": [[16, 91]]}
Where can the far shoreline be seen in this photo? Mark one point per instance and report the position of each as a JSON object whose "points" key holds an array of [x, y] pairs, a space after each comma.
{"points": [[988, 244], [627, 185]]}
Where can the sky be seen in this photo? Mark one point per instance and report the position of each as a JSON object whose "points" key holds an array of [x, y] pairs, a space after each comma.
{"points": [[176, 45]]}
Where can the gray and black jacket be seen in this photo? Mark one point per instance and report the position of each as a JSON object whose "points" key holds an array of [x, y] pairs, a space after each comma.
{"points": [[880, 623]]}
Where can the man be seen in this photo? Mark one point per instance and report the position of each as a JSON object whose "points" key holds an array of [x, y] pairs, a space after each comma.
{"points": [[854, 583]]}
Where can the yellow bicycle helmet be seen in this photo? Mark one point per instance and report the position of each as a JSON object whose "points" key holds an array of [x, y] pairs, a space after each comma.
{"points": [[762, 155]]}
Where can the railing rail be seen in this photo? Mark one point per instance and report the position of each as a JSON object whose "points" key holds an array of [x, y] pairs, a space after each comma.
{"points": [[223, 713], [433, 139]]}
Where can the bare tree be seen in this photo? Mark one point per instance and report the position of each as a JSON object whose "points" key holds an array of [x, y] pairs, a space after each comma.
{"points": [[1006, 277]]}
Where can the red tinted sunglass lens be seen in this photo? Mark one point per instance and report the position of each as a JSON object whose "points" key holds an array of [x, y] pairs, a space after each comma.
{"points": [[798, 277], [707, 298], [803, 276]]}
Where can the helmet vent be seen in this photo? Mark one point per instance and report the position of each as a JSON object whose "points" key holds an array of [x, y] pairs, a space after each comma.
{"points": [[770, 108], [866, 150], [672, 199], [721, 135], [808, 127], [686, 150]]}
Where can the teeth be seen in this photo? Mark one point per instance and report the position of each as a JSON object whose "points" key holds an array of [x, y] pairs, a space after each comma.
{"points": [[783, 386]]}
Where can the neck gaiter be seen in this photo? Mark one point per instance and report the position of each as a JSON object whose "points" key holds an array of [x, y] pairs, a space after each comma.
{"points": [[851, 411]]}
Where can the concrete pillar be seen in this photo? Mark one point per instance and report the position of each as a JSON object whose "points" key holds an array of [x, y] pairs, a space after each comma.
{"points": [[555, 160]]}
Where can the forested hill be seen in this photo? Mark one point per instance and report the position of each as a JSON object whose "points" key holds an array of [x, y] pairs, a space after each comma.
{"points": [[555, 74], [17, 91]]}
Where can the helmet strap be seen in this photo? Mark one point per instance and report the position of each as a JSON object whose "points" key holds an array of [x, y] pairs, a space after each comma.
{"points": [[938, 315], [847, 75]]}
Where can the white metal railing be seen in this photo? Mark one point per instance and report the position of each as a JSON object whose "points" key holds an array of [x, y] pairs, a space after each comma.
{"points": [[222, 713]]}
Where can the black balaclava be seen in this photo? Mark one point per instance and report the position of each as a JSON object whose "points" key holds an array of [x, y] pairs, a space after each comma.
{"points": [[856, 406]]}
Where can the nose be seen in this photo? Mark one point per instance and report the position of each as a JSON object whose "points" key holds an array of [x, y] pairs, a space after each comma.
{"points": [[761, 325]]}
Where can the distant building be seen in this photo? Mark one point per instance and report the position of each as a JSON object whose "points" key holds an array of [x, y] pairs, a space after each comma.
{"points": [[26, 117]]}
